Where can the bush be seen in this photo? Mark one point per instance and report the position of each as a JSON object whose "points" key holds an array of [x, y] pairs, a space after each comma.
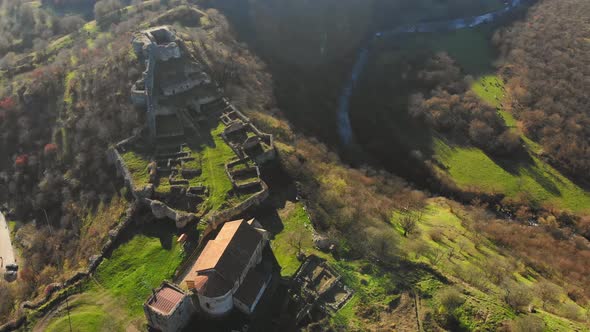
{"points": [[571, 311], [528, 323], [548, 292], [517, 296], [450, 299], [104, 7], [436, 234], [6, 301]]}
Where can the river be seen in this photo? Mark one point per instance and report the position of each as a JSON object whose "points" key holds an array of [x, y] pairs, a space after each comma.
{"points": [[344, 126]]}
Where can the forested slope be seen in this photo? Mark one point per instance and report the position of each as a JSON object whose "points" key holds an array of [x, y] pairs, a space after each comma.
{"points": [[466, 268], [547, 65]]}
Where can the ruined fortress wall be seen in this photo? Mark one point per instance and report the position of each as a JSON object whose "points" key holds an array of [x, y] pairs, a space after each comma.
{"points": [[222, 216], [138, 97], [166, 52], [182, 87], [115, 157], [266, 156], [50, 301], [149, 89]]}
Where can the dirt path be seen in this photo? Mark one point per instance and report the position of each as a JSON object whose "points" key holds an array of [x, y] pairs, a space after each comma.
{"points": [[6, 250]]}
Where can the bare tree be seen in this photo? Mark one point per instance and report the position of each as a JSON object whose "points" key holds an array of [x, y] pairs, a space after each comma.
{"points": [[409, 222], [548, 292], [299, 240], [517, 295]]}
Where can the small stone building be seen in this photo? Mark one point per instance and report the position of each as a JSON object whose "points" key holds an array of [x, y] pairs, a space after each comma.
{"points": [[169, 309], [226, 274]]}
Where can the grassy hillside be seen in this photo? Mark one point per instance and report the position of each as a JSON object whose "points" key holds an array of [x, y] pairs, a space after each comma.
{"points": [[296, 229], [214, 158], [470, 167], [113, 298], [447, 239], [534, 179], [210, 157], [84, 318], [400, 282]]}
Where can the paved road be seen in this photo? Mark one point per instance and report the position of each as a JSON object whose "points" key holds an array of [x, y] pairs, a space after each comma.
{"points": [[6, 250]]}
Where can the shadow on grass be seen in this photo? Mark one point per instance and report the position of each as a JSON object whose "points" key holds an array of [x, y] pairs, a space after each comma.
{"points": [[282, 189], [519, 164], [145, 224], [197, 140], [522, 164]]}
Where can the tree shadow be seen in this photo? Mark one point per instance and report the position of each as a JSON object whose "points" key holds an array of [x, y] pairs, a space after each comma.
{"points": [[522, 164], [146, 224], [282, 190], [519, 164], [271, 222], [203, 138]]}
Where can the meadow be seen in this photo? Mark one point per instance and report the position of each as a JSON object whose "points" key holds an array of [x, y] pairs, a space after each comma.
{"points": [[113, 298], [517, 177]]}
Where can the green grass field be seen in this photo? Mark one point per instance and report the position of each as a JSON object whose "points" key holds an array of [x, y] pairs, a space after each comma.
{"points": [[60, 43], [136, 268], [471, 168], [138, 167], [445, 240], [470, 48], [555, 323], [68, 88], [84, 318], [210, 157], [213, 158], [373, 286], [442, 232], [90, 27], [113, 299], [296, 227], [374, 290], [490, 88]]}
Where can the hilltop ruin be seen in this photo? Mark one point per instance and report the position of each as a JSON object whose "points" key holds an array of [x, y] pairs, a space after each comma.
{"points": [[198, 157]]}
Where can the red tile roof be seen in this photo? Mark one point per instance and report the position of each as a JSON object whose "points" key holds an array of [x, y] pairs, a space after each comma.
{"points": [[166, 299], [224, 259], [201, 282]]}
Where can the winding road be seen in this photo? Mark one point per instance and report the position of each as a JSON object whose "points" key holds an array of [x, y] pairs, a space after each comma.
{"points": [[6, 250], [344, 126]]}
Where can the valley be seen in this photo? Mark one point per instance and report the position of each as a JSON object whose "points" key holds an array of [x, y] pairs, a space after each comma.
{"points": [[292, 165]]}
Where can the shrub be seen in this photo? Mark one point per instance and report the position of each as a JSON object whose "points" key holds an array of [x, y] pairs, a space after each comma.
{"points": [[528, 323], [571, 311], [6, 301], [517, 296], [548, 292], [450, 299], [436, 234]]}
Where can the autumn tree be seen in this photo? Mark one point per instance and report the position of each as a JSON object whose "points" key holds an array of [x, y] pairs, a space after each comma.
{"points": [[548, 292], [516, 295], [528, 323]]}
